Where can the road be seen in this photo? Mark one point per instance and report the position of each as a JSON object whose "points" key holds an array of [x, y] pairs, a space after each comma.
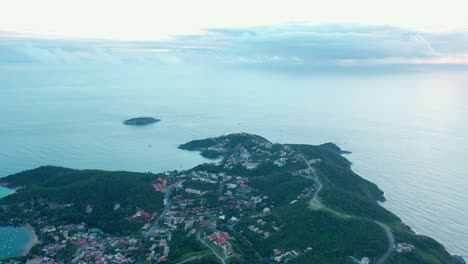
{"points": [[316, 204], [217, 254], [167, 208], [391, 241], [247, 243], [189, 259]]}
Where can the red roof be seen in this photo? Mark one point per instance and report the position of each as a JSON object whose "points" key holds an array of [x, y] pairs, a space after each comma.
{"points": [[145, 214], [277, 251], [220, 238]]}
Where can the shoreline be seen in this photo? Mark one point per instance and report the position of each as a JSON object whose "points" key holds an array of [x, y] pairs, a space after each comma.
{"points": [[33, 240]]}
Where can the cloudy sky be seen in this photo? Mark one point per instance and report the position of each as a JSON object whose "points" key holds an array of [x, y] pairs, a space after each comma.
{"points": [[154, 19], [294, 32]]}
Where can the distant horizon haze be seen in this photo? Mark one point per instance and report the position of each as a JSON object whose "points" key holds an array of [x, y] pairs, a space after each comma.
{"points": [[157, 20]]}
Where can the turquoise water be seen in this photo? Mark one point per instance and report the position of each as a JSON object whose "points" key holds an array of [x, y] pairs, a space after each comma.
{"points": [[5, 191], [12, 241], [407, 131]]}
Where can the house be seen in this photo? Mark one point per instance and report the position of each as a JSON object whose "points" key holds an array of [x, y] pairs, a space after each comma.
{"points": [[141, 215], [220, 238], [365, 260], [277, 251], [403, 248], [49, 229]]}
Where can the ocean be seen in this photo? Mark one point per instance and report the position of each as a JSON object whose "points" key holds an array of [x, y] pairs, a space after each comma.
{"points": [[406, 131]]}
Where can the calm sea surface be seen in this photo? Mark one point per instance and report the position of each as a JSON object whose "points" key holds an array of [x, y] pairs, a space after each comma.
{"points": [[407, 132]]}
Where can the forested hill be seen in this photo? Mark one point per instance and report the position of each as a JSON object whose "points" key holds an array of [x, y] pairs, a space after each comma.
{"points": [[100, 190], [257, 202]]}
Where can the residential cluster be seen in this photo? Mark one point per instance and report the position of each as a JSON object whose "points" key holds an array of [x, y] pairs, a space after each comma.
{"points": [[88, 245], [212, 204]]}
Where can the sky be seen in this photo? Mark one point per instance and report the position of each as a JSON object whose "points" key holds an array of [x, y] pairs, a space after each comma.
{"points": [[154, 19], [260, 33]]}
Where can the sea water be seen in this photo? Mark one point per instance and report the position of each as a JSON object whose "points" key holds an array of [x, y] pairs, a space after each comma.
{"points": [[13, 241], [407, 131]]}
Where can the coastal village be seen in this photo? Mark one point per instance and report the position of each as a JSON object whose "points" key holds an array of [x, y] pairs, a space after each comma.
{"points": [[212, 204]]}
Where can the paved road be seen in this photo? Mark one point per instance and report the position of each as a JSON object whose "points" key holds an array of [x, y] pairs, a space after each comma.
{"points": [[167, 208], [316, 204], [391, 241], [217, 254]]}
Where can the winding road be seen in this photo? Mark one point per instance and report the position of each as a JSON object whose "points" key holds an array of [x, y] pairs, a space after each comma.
{"points": [[391, 241], [316, 204]]}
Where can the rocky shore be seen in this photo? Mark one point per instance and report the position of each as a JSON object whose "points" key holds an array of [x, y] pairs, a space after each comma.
{"points": [[458, 260]]}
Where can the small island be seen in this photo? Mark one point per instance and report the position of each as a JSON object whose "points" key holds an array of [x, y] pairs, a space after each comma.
{"points": [[141, 121]]}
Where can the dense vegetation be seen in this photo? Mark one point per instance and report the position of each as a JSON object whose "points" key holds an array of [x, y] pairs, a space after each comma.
{"points": [[282, 188], [427, 249], [332, 238], [348, 229], [348, 226], [141, 121], [338, 170], [184, 247], [101, 190]]}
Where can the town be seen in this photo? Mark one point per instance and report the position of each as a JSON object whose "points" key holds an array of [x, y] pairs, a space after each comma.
{"points": [[215, 204]]}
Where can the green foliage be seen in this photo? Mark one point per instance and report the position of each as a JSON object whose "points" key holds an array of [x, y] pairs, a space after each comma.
{"points": [[183, 247], [338, 171], [282, 188], [210, 154], [345, 179], [356, 205], [266, 168], [100, 189], [208, 259], [231, 140], [332, 238], [198, 144], [427, 249], [243, 254], [199, 185], [66, 253]]}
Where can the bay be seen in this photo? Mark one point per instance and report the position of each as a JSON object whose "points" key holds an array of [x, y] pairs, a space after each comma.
{"points": [[407, 131]]}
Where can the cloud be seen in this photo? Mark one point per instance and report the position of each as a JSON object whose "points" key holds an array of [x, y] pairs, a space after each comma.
{"points": [[282, 45], [331, 44]]}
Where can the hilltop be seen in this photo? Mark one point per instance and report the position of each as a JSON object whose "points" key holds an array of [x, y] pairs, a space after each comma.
{"points": [[258, 202]]}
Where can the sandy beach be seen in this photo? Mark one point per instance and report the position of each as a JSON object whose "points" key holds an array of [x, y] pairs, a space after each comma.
{"points": [[33, 240]]}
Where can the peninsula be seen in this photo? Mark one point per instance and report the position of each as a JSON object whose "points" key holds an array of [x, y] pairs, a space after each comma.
{"points": [[141, 121], [259, 202]]}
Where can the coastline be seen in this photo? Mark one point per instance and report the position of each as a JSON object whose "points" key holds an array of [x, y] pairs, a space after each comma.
{"points": [[33, 240]]}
